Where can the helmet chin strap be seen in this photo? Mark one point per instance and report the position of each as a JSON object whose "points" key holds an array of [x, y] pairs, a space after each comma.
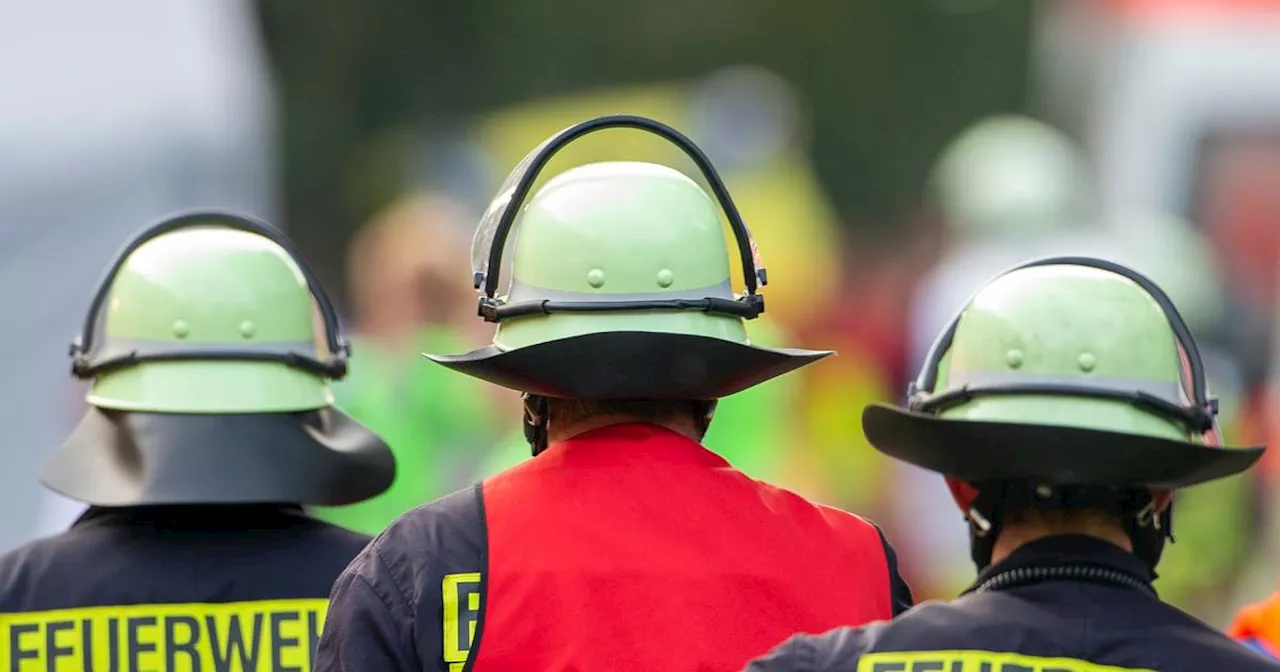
{"points": [[702, 417], [535, 420], [1147, 530]]}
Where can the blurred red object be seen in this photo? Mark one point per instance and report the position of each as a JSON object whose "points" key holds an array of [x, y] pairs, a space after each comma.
{"points": [[1185, 9]]}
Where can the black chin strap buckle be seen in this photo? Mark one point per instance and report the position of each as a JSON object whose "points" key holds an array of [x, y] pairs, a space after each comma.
{"points": [[1147, 516], [535, 422]]}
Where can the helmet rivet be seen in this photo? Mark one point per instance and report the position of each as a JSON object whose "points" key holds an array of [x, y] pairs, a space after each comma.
{"points": [[1087, 361], [181, 328], [247, 329], [665, 277], [595, 277], [1013, 358]]}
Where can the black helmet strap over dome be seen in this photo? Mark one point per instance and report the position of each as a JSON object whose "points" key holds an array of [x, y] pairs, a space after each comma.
{"points": [[86, 363], [1147, 530], [520, 182]]}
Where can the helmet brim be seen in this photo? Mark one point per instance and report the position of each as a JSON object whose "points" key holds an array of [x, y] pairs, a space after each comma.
{"points": [[318, 458], [974, 450], [630, 365]]}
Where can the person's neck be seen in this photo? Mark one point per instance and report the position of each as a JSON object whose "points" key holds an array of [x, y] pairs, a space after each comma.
{"points": [[1016, 535], [557, 433]]}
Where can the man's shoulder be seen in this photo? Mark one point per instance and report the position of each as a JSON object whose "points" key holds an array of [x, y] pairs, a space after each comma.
{"points": [[446, 537], [19, 565], [414, 594], [838, 649], [1226, 653], [69, 547], [458, 512], [933, 624], [1185, 638]]}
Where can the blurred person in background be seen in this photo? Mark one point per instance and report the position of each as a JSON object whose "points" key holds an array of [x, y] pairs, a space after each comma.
{"points": [[210, 425], [752, 125], [1064, 404], [1215, 527], [1258, 624], [868, 327], [1180, 105], [113, 113], [624, 543], [1236, 199], [408, 274], [1008, 188]]}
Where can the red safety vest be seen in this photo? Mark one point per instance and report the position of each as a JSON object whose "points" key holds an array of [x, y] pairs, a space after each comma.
{"points": [[634, 548]]}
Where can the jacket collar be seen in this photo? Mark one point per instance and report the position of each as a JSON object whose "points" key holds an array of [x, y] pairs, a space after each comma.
{"points": [[633, 440], [194, 516], [1069, 551]]}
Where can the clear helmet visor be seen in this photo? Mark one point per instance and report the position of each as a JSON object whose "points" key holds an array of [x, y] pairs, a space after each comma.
{"points": [[482, 243]]}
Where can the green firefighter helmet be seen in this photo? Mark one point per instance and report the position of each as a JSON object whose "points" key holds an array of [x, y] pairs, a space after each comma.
{"points": [[216, 291], [1011, 175], [1072, 370], [207, 380], [620, 283]]}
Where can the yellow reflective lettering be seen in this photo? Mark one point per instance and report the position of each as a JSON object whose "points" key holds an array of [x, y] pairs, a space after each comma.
{"points": [[242, 636], [977, 661], [461, 595]]}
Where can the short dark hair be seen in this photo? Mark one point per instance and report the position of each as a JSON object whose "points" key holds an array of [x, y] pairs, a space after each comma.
{"points": [[1022, 500], [642, 410]]}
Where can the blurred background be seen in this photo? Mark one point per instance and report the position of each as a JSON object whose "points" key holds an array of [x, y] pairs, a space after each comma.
{"points": [[889, 156]]}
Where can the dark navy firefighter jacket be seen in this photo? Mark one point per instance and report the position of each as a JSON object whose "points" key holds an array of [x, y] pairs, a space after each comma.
{"points": [[1062, 604], [172, 588]]}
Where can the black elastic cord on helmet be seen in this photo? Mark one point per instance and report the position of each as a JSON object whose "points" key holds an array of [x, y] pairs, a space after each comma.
{"points": [[1198, 418], [291, 359], [492, 307], [84, 365], [748, 307]]}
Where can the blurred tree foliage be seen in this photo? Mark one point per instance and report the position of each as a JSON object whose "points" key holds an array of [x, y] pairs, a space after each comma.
{"points": [[887, 81]]}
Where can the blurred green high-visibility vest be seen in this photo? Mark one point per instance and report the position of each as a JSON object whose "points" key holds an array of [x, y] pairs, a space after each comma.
{"points": [[437, 422]]}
